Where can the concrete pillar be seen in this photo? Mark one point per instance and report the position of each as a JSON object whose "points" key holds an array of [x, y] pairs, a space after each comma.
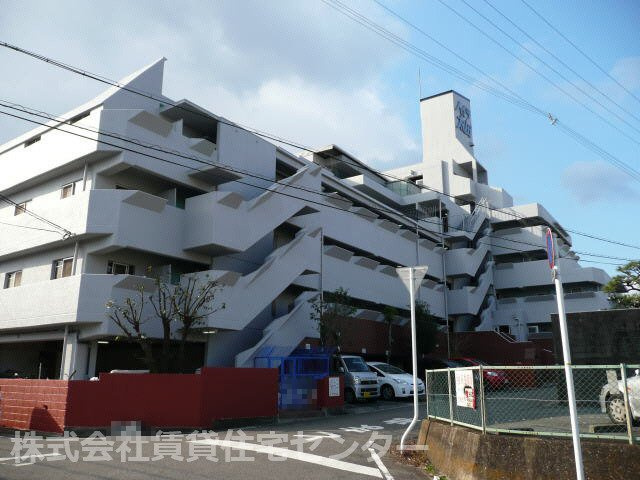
{"points": [[75, 356], [93, 357]]}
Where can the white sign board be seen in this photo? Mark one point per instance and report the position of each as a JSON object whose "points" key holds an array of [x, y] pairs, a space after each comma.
{"points": [[465, 393], [334, 386]]}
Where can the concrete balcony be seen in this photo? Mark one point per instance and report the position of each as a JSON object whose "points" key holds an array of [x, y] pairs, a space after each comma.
{"points": [[538, 308], [382, 238], [139, 220], [529, 215], [465, 261], [71, 213], [497, 197], [125, 218], [374, 188], [530, 274], [463, 188], [469, 300], [79, 299], [368, 280]]}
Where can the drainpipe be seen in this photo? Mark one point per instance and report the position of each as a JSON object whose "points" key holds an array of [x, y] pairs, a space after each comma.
{"points": [[444, 277], [84, 176], [75, 258], [321, 269]]}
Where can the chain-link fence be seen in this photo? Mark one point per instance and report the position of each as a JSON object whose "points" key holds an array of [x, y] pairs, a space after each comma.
{"points": [[532, 400]]}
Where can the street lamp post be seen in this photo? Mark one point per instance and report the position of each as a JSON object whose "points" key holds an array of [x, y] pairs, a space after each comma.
{"points": [[411, 278]]}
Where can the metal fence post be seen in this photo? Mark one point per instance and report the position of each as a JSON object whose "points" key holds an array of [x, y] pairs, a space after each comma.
{"points": [[483, 413], [426, 389], [627, 407], [450, 396]]}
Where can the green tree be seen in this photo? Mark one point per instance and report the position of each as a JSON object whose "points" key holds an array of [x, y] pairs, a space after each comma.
{"points": [[426, 329], [624, 289], [329, 312], [390, 313]]}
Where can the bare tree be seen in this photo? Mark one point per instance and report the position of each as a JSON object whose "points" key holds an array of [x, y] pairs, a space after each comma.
{"points": [[164, 308], [180, 308], [192, 303], [129, 318]]}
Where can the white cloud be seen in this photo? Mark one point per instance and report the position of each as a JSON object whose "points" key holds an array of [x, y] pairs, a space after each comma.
{"points": [[591, 182], [356, 119], [627, 72], [296, 69]]}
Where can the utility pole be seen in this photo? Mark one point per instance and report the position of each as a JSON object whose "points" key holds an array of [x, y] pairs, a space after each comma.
{"points": [[412, 278]]}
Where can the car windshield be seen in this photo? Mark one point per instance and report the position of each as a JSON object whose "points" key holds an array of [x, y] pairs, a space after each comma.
{"points": [[355, 364], [386, 368]]}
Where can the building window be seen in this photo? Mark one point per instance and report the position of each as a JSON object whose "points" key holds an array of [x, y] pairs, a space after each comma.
{"points": [[116, 268], [62, 268], [13, 279], [20, 208], [69, 189], [504, 329], [533, 329]]}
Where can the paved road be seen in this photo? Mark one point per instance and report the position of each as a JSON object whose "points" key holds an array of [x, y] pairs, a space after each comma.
{"points": [[351, 446]]}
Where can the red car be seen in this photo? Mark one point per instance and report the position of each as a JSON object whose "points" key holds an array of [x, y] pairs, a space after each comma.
{"points": [[492, 379]]}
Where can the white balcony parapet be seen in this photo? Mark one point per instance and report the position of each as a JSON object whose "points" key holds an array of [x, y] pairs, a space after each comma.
{"points": [[279, 270]]}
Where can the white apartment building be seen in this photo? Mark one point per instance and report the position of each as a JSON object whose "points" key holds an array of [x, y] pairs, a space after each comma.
{"points": [[145, 181]]}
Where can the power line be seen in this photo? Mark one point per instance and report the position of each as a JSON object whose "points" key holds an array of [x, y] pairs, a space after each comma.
{"points": [[66, 233], [416, 52], [564, 64], [538, 72], [160, 149], [582, 52], [587, 143], [537, 246], [28, 227]]}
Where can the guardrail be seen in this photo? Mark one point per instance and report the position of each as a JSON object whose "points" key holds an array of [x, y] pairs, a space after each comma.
{"points": [[532, 400]]}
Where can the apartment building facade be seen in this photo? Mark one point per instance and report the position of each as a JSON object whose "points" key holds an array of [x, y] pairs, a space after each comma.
{"points": [[132, 184]]}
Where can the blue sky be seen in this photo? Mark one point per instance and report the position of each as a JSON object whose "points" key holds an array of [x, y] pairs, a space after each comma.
{"points": [[302, 70]]}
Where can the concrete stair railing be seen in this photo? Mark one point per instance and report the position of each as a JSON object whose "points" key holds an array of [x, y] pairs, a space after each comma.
{"points": [[246, 296], [285, 332], [218, 220]]}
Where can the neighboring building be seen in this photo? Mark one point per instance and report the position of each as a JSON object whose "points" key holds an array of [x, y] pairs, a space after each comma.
{"points": [[232, 207]]}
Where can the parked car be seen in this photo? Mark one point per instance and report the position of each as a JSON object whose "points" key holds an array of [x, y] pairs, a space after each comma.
{"points": [[360, 383], [493, 379], [394, 382], [612, 398], [429, 363]]}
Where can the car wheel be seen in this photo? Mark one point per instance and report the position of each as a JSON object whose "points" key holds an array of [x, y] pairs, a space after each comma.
{"points": [[616, 409], [388, 393], [349, 396]]}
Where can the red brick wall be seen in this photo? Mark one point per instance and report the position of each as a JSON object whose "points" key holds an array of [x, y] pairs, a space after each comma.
{"points": [[33, 404], [157, 400]]}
